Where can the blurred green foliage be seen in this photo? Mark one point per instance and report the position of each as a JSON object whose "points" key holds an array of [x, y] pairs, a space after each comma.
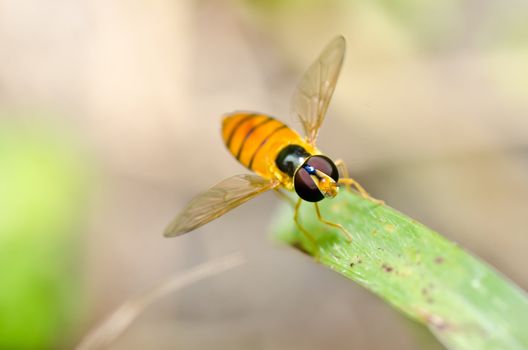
{"points": [[42, 194]]}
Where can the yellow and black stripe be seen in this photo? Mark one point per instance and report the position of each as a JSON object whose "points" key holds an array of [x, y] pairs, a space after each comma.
{"points": [[256, 139]]}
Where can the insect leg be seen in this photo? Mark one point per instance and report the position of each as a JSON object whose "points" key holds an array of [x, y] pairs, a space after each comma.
{"points": [[302, 229], [341, 166], [361, 190], [333, 224], [343, 170]]}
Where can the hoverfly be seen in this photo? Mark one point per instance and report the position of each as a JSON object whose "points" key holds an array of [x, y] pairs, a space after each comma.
{"points": [[279, 156]]}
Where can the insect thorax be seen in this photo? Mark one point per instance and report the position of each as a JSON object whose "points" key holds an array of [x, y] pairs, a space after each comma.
{"points": [[290, 158]]}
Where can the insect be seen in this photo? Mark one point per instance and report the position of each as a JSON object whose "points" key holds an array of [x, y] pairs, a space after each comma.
{"points": [[279, 156]]}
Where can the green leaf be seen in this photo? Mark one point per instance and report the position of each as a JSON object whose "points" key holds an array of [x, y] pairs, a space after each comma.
{"points": [[462, 300]]}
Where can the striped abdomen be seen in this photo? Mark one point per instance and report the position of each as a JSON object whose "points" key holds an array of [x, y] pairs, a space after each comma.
{"points": [[256, 139]]}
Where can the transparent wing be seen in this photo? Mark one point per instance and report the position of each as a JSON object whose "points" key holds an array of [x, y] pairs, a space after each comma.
{"points": [[218, 200], [312, 96]]}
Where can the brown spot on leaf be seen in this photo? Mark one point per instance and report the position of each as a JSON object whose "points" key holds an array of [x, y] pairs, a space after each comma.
{"points": [[439, 260], [427, 295], [436, 321], [387, 268], [357, 260]]}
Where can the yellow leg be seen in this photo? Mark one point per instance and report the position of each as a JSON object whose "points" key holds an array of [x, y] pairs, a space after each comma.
{"points": [[333, 224], [348, 182], [341, 167], [343, 170], [361, 190], [302, 229]]}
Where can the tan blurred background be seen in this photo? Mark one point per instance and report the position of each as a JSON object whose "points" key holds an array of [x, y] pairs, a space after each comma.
{"points": [[110, 116]]}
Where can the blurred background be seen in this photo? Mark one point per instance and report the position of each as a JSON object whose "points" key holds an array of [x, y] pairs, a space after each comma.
{"points": [[109, 123]]}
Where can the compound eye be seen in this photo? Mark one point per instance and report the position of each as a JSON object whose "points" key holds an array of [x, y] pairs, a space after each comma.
{"points": [[303, 182], [324, 164], [305, 186]]}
